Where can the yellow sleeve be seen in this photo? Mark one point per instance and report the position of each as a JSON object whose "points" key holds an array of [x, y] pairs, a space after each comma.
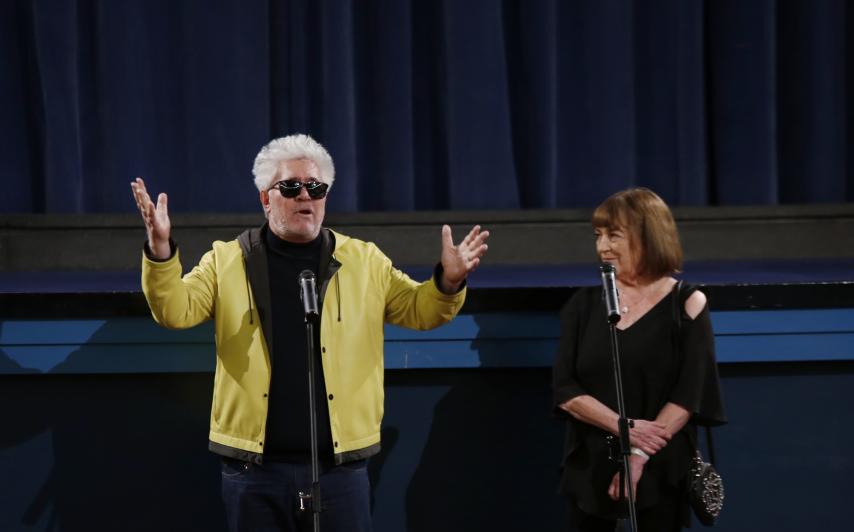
{"points": [[176, 302], [414, 305]]}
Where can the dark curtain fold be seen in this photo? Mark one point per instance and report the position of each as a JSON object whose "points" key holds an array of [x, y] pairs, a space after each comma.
{"points": [[426, 104]]}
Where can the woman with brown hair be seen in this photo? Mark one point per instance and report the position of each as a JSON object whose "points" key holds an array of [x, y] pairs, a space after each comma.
{"points": [[669, 373]]}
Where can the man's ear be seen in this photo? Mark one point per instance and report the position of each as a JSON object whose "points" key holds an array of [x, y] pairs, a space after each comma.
{"points": [[264, 196]]}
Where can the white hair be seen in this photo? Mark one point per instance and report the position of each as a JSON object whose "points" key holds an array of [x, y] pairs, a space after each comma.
{"points": [[288, 148]]}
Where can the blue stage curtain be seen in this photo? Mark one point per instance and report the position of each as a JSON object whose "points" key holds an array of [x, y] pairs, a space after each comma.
{"points": [[426, 104]]}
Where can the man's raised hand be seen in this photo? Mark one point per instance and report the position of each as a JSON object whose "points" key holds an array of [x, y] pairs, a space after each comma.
{"points": [[460, 260], [156, 219]]}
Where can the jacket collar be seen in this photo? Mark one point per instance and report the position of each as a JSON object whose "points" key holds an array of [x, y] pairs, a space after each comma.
{"points": [[255, 261], [255, 258], [329, 265]]}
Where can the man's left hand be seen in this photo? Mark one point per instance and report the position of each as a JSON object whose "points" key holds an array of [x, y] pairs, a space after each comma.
{"points": [[460, 260]]}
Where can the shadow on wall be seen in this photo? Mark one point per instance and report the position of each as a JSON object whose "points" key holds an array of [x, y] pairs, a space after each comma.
{"points": [[486, 464], [129, 452], [376, 465]]}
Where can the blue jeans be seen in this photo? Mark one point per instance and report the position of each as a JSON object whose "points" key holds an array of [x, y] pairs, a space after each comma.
{"points": [[265, 497]]}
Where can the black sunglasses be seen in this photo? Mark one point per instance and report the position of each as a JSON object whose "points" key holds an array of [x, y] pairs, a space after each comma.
{"points": [[290, 188]]}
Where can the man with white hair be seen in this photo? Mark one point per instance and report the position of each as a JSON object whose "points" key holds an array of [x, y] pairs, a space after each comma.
{"points": [[259, 416]]}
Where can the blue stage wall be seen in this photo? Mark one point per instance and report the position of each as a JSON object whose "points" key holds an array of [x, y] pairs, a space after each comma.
{"points": [[106, 425], [138, 345]]}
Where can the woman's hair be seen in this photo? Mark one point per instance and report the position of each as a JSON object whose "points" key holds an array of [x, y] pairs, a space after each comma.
{"points": [[648, 222], [288, 148]]}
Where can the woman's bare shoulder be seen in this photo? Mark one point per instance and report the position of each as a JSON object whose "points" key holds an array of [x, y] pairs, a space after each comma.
{"points": [[695, 304]]}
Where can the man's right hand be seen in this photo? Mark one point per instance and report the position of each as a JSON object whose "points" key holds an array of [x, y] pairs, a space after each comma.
{"points": [[156, 219]]}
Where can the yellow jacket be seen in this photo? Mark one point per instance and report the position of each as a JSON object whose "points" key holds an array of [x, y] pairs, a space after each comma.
{"points": [[367, 292]]}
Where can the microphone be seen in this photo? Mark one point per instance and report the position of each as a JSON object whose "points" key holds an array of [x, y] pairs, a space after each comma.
{"points": [[609, 290], [308, 294]]}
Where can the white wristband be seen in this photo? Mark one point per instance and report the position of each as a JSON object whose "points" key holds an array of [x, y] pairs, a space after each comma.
{"points": [[640, 453]]}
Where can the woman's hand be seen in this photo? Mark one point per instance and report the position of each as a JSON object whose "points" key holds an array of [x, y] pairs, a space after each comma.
{"points": [[636, 464], [649, 436]]}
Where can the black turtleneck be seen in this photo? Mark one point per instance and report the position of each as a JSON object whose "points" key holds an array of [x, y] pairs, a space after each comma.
{"points": [[288, 430]]}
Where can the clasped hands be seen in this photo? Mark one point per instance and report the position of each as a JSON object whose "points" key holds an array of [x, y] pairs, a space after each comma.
{"points": [[648, 436]]}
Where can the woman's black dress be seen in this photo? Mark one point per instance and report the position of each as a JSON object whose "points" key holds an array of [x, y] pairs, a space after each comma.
{"points": [[665, 357]]}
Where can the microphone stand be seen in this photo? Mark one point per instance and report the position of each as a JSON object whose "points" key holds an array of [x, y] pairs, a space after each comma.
{"points": [[623, 423], [314, 497], [311, 501]]}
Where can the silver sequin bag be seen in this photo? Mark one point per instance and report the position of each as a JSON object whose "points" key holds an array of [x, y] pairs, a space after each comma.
{"points": [[705, 490]]}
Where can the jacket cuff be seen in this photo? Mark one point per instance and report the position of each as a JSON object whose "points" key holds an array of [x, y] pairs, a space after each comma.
{"points": [[437, 280], [150, 255]]}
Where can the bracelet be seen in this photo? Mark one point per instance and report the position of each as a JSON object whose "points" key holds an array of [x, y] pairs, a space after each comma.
{"points": [[639, 452]]}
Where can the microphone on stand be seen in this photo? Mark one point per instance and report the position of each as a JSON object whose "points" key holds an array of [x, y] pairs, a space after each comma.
{"points": [[308, 294], [612, 309], [609, 290]]}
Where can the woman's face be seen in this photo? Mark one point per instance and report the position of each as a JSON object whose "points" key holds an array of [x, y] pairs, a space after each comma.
{"points": [[614, 246]]}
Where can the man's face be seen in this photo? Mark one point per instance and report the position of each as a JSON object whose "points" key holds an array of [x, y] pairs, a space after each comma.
{"points": [[294, 219]]}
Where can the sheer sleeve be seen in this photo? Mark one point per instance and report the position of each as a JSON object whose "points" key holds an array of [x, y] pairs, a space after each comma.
{"points": [[564, 383], [697, 387]]}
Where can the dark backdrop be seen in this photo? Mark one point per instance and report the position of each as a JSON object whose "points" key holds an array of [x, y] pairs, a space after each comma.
{"points": [[426, 104]]}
